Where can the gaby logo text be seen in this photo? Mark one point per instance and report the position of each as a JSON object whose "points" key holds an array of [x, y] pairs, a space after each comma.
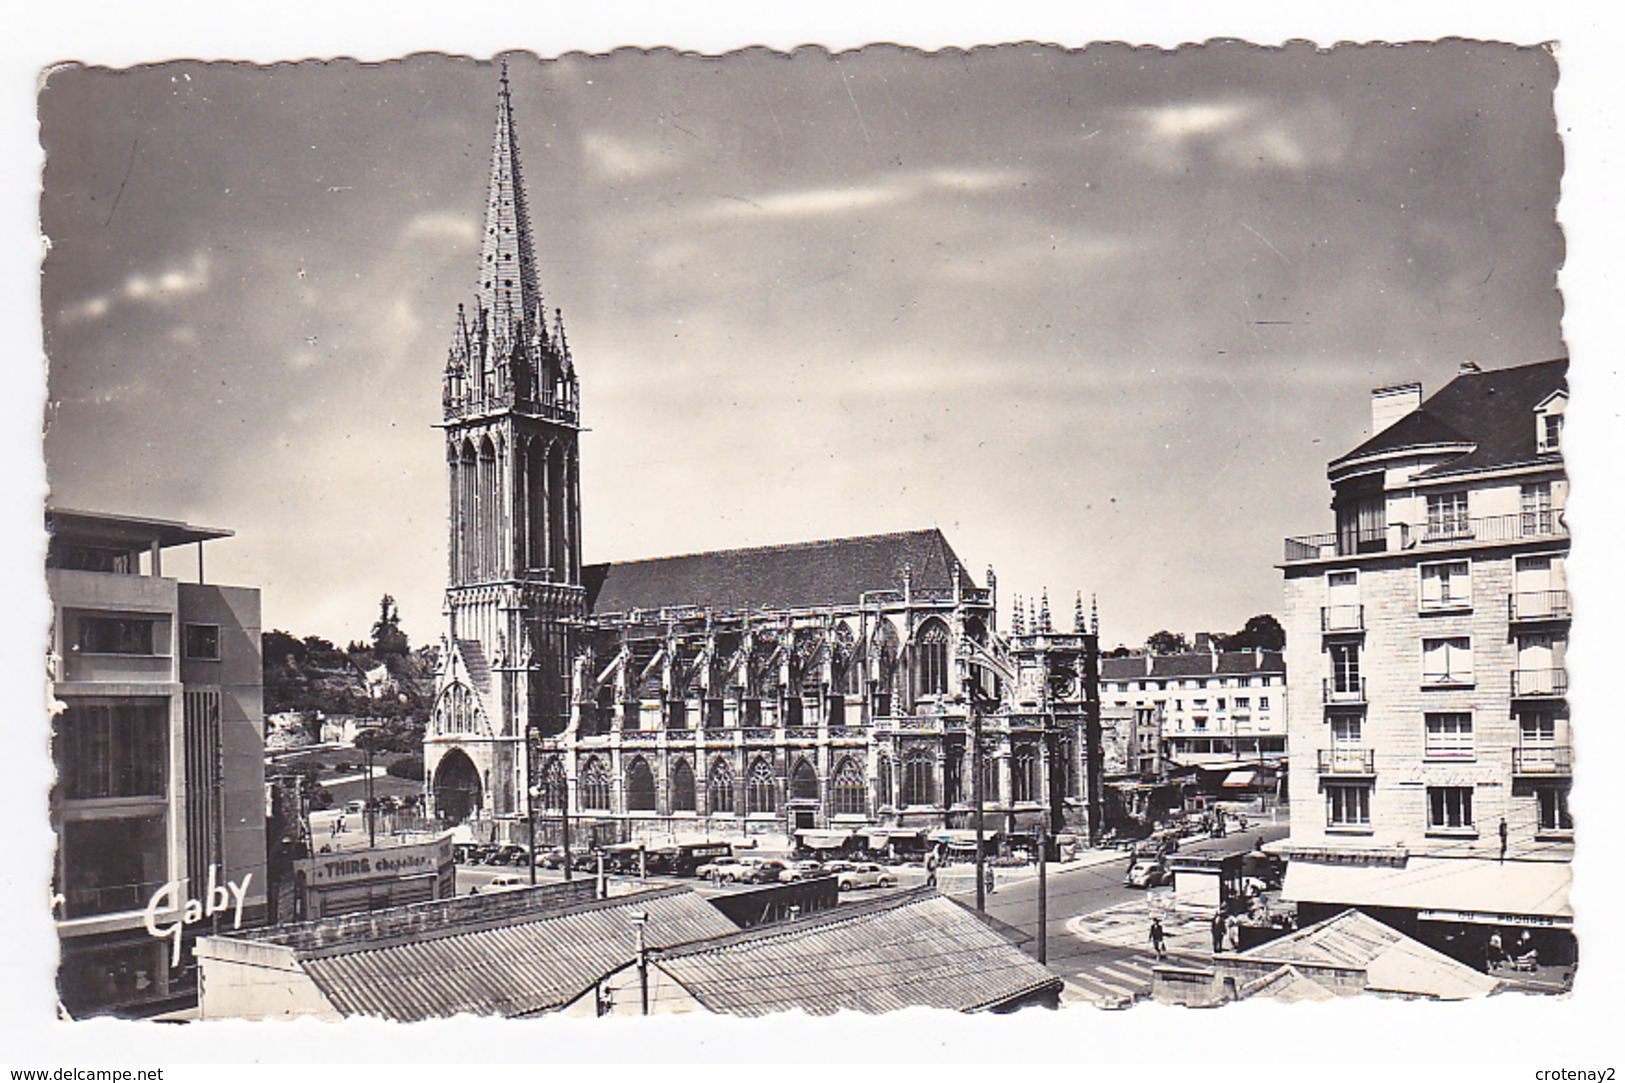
{"points": [[216, 900]]}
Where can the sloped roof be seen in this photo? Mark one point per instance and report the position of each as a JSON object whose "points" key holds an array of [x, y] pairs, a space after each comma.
{"points": [[916, 949], [534, 963], [1494, 411], [1393, 962], [801, 575], [1192, 664], [1287, 984]]}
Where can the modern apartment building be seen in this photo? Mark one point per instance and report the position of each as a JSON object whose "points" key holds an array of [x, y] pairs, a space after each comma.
{"points": [[1215, 706], [1430, 749], [159, 804]]}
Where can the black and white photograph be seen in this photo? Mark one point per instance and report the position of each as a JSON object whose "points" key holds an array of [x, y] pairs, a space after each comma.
{"points": [[650, 532]]}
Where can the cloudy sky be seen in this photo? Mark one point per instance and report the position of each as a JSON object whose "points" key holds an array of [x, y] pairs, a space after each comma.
{"points": [[1103, 315]]}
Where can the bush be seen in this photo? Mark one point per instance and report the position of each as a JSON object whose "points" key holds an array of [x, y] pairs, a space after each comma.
{"points": [[408, 767]]}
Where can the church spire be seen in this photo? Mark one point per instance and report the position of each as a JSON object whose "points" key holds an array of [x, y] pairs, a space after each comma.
{"points": [[508, 286]]}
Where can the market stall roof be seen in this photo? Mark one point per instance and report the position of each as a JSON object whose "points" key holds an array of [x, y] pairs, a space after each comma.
{"points": [[823, 840], [1239, 778], [1459, 887]]}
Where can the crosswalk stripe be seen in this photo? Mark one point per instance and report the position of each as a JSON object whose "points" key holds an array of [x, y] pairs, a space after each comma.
{"points": [[1135, 965], [1116, 990], [1119, 974]]}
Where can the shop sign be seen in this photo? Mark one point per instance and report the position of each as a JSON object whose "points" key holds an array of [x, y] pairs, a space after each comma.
{"points": [[216, 900]]}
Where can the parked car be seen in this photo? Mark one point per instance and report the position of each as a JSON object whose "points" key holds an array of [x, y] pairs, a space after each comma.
{"points": [[801, 870], [355, 808], [462, 853], [1146, 874], [864, 875], [724, 870], [763, 872], [553, 859], [509, 854], [506, 882]]}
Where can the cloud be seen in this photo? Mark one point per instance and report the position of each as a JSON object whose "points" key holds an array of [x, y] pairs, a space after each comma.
{"points": [[1242, 134], [614, 158], [441, 226], [148, 288], [890, 191]]}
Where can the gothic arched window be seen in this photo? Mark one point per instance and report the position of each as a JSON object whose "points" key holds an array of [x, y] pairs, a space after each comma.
{"points": [[848, 795], [1024, 774], [919, 778], [804, 782], [883, 781], [931, 655], [640, 786], [552, 789], [759, 790], [682, 787], [719, 787], [593, 785]]}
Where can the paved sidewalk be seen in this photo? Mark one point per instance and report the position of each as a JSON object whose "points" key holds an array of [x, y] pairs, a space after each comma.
{"points": [[1128, 925]]}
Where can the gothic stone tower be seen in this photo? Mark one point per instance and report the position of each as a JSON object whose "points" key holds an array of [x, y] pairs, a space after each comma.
{"points": [[511, 421]]}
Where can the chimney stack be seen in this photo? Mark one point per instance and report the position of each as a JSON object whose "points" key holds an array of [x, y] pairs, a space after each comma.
{"points": [[1468, 368], [1390, 404]]}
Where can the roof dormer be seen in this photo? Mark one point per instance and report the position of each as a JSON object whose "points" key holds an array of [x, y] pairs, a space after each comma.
{"points": [[1549, 423]]}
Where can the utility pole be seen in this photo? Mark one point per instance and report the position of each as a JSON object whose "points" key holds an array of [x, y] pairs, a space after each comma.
{"points": [[372, 828], [530, 797], [1094, 769], [1043, 894], [978, 795]]}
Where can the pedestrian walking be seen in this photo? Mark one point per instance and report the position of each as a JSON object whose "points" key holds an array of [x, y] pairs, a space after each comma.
{"points": [[1159, 942], [1233, 932], [1496, 952], [931, 869], [987, 879], [1218, 932]]}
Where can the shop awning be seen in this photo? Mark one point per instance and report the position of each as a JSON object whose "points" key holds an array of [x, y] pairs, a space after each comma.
{"points": [[1494, 890], [880, 836], [1238, 778], [960, 837], [824, 840]]}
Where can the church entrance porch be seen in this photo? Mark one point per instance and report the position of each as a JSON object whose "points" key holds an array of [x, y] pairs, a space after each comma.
{"points": [[457, 791]]}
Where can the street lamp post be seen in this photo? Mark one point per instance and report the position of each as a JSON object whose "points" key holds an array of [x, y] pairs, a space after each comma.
{"points": [[530, 798]]}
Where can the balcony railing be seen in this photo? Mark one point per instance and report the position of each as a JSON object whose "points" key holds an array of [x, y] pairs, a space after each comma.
{"points": [[1343, 691], [1530, 683], [1342, 618], [1551, 760], [1521, 526], [83, 902], [1538, 605], [1347, 761]]}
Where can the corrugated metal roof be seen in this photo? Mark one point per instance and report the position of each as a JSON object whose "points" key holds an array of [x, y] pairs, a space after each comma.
{"points": [[1392, 961], [802, 575], [535, 963], [917, 949]]}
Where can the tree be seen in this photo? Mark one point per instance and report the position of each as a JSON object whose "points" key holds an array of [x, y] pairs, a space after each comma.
{"points": [[1166, 642], [1263, 632], [387, 637]]}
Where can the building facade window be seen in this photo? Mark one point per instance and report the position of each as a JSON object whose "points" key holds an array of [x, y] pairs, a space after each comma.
{"points": [[1024, 774], [804, 782], [1450, 807], [1345, 668], [116, 635], [594, 785], [202, 642], [1447, 515], [883, 781], [719, 788], [1553, 805], [640, 786], [1348, 806], [553, 790], [1449, 735], [760, 797], [1362, 525], [682, 787], [1535, 499], [1550, 436], [848, 794], [932, 654], [919, 778], [1447, 585], [1447, 660], [113, 750], [114, 865]]}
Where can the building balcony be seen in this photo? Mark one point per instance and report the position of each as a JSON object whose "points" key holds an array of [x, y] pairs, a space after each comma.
{"points": [[1442, 532], [84, 902], [1342, 618], [1343, 692], [1346, 761], [1536, 605], [1540, 683], [1546, 761]]}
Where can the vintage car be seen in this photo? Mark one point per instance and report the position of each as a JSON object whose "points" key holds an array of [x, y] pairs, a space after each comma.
{"points": [[1146, 874], [864, 874]]}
